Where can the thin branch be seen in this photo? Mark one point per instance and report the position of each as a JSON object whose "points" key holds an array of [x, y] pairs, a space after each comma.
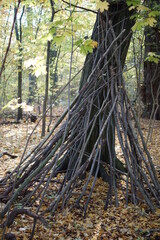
{"points": [[15, 212], [10, 38], [76, 6]]}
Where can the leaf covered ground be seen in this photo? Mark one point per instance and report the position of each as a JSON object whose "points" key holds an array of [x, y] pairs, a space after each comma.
{"points": [[122, 222]]}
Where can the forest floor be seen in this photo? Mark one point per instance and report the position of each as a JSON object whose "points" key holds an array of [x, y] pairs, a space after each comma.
{"points": [[122, 222]]}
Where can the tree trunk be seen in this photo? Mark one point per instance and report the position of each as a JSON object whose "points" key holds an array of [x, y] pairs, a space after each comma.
{"points": [[32, 77], [19, 116], [46, 90], [19, 39], [119, 17], [32, 88], [151, 86], [54, 58], [47, 76]]}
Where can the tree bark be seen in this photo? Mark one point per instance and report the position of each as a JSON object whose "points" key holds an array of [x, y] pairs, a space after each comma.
{"points": [[119, 18], [150, 90], [19, 39], [46, 90], [47, 76], [151, 85], [32, 88], [32, 77]]}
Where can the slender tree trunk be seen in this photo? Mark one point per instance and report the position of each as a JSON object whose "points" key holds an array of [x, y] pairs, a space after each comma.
{"points": [[47, 76], [46, 89], [19, 116], [10, 38], [19, 39], [32, 77], [4, 82], [32, 88], [53, 78]]}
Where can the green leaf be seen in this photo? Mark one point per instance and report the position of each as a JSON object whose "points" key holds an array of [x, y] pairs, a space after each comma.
{"points": [[154, 14], [134, 3], [139, 25], [58, 39], [153, 57], [144, 22], [88, 46]]}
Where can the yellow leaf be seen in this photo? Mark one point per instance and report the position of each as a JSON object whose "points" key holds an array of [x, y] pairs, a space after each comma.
{"points": [[151, 21], [142, 8], [131, 8], [94, 44], [102, 5]]}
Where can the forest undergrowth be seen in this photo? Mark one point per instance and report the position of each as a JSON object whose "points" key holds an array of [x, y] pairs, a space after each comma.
{"points": [[121, 222]]}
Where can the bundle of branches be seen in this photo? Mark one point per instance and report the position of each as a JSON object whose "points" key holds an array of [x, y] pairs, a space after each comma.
{"points": [[85, 141]]}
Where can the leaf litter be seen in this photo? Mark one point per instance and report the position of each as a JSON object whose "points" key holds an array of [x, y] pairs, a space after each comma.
{"points": [[122, 222]]}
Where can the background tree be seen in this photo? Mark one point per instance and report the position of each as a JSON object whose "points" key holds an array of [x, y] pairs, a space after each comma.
{"points": [[7, 44], [32, 77], [47, 74], [20, 47], [151, 84]]}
